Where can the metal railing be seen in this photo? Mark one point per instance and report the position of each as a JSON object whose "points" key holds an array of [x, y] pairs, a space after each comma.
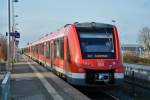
{"points": [[139, 69], [137, 74], [5, 87]]}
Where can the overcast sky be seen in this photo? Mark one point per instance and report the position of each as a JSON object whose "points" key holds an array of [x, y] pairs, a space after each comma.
{"points": [[39, 17]]}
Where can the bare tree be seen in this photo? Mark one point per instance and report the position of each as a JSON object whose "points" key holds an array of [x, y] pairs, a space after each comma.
{"points": [[144, 38]]}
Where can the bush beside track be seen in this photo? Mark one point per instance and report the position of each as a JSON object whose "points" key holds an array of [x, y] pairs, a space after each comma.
{"points": [[135, 59], [3, 48]]}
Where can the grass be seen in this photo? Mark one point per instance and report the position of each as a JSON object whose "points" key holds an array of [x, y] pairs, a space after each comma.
{"points": [[135, 59]]}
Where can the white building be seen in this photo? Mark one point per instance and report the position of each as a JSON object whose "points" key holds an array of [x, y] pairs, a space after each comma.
{"points": [[132, 48]]}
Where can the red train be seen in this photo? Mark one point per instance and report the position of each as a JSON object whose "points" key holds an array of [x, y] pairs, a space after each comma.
{"points": [[86, 54]]}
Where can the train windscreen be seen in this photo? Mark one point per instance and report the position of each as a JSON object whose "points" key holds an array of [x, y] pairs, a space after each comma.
{"points": [[97, 43]]}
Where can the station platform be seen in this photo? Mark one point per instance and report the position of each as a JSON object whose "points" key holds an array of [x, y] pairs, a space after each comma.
{"points": [[31, 81]]}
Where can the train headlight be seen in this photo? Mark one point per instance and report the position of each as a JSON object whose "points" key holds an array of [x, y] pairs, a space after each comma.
{"points": [[113, 62], [77, 63], [110, 66]]}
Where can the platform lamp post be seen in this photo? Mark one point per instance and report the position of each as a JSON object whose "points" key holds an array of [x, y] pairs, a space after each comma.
{"points": [[9, 31], [13, 30], [8, 38]]}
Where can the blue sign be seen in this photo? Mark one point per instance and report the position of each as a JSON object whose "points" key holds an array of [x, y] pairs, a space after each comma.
{"points": [[15, 34]]}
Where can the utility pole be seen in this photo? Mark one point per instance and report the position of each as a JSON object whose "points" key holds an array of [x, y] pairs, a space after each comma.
{"points": [[8, 39], [13, 30]]}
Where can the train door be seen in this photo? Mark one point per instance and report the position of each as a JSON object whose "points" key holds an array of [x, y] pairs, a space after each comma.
{"points": [[52, 54], [66, 56]]}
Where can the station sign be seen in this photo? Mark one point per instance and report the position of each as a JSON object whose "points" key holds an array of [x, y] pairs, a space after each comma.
{"points": [[15, 34]]}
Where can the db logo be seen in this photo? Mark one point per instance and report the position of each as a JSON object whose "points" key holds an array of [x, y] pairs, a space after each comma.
{"points": [[100, 63]]}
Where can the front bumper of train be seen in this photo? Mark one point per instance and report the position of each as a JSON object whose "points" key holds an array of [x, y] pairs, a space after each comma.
{"points": [[79, 79]]}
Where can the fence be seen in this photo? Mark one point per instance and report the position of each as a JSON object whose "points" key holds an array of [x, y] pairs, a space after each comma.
{"points": [[5, 87], [138, 74], [140, 69]]}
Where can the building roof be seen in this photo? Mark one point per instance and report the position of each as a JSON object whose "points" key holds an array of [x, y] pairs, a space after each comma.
{"points": [[131, 45]]}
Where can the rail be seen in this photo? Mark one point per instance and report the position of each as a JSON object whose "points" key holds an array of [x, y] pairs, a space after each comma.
{"points": [[111, 96], [5, 87]]}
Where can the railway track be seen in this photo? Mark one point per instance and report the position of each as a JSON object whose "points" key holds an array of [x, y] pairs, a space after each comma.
{"points": [[97, 93], [137, 90], [137, 84], [112, 97]]}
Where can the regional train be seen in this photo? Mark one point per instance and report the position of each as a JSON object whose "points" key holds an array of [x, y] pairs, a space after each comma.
{"points": [[85, 54]]}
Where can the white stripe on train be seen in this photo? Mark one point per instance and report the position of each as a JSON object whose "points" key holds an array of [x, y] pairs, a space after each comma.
{"points": [[82, 75]]}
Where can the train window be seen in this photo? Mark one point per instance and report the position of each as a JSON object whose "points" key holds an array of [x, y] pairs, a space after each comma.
{"points": [[97, 44], [42, 48], [47, 50], [52, 48], [61, 47], [36, 47], [39, 48], [68, 53], [33, 49], [57, 49]]}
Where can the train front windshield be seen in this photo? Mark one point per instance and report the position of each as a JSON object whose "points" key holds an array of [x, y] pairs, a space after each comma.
{"points": [[97, 43]]}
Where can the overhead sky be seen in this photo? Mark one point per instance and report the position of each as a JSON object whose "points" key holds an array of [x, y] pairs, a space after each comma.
{"points": [[39, 17]]}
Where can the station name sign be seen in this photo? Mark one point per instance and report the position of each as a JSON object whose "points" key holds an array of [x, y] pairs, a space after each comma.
{"points": [[15, 34]]}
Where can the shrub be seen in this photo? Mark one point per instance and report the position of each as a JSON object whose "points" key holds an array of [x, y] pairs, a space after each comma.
{"points": [[134, 58], [3, 49]]}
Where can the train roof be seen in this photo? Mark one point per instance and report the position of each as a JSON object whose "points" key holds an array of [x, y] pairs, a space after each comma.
{"points": [[92, 24], [78, 25]]}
